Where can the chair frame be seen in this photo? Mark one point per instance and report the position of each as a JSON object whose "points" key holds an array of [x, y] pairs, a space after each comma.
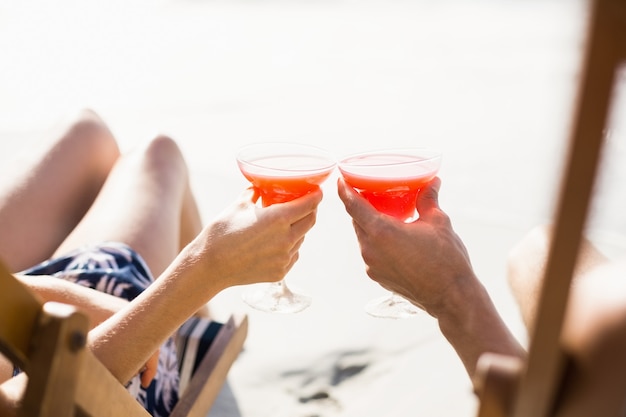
{"points": [[48, 342]]}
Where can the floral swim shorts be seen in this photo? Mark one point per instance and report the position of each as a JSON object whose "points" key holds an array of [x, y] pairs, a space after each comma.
{"points": [[116, 269]]}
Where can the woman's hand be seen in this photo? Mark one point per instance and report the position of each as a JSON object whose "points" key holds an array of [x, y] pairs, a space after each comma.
{"points": [[247, 244], [149, 371]]}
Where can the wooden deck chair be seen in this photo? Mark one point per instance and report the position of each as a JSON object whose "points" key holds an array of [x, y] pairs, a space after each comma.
{"points": [[507, 387], [47, 341], [211, 371]]}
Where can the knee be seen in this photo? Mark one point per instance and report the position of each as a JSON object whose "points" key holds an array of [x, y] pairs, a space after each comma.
{"points": [[163, 144], [162, 152], [87, 133], [163, 147], [527, 260], [525, 268], [528, 257], [596, 318], [594, 336], [88, 124]]}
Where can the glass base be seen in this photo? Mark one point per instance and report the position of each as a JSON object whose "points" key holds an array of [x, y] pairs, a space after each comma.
{"points": [[276, 298], [391, 307]]}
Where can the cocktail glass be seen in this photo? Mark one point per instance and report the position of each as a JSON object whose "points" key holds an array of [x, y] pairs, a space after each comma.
{"points": [[390, 180], [282, 172]]}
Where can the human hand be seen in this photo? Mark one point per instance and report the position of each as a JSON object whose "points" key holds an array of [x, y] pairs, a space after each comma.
{"points": [[149, 370], [424, 261], [247, 244]]}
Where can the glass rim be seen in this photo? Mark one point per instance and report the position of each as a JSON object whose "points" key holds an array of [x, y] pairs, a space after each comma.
{"points": [[329, 161], [427, 155]]}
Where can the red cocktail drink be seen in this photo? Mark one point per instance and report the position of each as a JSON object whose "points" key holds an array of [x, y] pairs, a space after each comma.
{"points": [[391, 180]]}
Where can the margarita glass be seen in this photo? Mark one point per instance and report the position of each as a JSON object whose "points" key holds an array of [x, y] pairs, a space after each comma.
{"points": [[282, 172], [391, 180]]}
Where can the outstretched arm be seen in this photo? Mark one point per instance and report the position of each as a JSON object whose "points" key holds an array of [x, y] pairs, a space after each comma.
{"points": [[97, 305], [245, 245], [427, 263]]}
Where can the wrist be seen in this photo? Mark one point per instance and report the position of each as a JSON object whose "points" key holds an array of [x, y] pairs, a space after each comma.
{"points": [[473, 326], [198, 277], [461, 297]]}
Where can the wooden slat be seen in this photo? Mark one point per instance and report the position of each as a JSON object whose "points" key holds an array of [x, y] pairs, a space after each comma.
{"points": [[47, 341], [208, 379], [66, 379], [54, 362], [496, 381], [16, 330], [100, 394]]}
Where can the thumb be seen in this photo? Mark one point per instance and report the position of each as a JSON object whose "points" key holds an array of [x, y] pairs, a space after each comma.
{"points": [[356, 206], [251, 194], [428, 197]]}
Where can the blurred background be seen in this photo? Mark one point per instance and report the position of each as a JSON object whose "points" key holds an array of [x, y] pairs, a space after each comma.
{"points": [[490, 82]]}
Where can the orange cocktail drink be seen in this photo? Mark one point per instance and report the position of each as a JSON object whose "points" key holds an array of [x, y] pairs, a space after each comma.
{"points": [[282, 172], [286, 177]]}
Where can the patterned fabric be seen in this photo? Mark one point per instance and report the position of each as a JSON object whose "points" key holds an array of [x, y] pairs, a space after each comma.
{"points": [[193, 341], [116, 269]]}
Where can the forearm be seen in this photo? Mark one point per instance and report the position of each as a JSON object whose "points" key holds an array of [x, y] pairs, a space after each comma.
{"points": [[141, 328], [98, 306], [472, 325], [242, 246]]}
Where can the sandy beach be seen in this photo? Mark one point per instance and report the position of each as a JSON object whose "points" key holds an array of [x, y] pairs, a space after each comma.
{"points": [[488, 82]]}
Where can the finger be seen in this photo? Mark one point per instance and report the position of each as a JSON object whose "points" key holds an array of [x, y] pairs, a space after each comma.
{"points": [[294, 259], [359, 231], [256, 194], [147, 376], [296, 247], [346, 193], [302, 226], [250, 194], [299, 208], [357, 207], [150, 371], [428, 198]]}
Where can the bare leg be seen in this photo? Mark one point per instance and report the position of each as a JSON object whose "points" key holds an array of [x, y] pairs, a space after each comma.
{"points": [[594, 335], [594, 331], [190, 221], [45, 193], [526, 266], [143, 204], [146, 202]]}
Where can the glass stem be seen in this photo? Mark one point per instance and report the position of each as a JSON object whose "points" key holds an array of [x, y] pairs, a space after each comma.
{"points": [[285, 291]]}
